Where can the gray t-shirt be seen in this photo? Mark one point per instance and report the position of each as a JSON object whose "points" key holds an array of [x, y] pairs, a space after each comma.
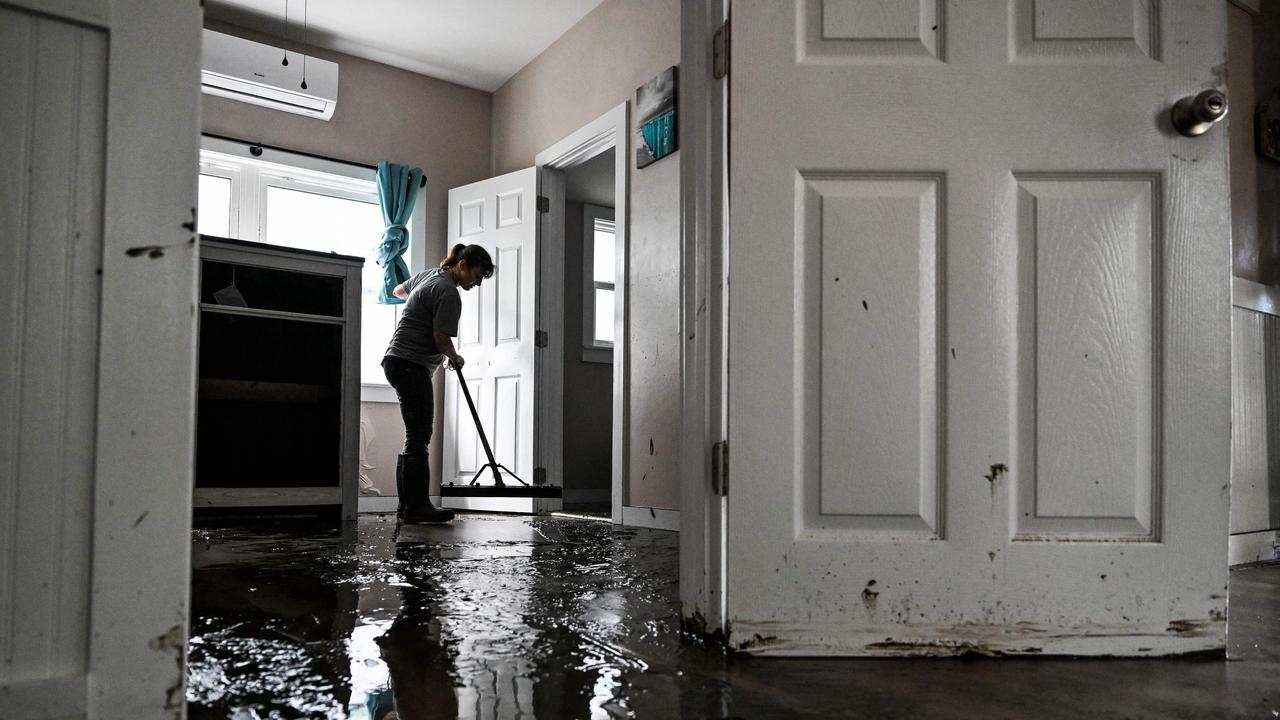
{"points": [[434, 306]]}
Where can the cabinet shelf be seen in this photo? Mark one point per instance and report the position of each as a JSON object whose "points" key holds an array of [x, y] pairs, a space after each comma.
{"points": [[266, 496], [278, 314], [261, 391]]}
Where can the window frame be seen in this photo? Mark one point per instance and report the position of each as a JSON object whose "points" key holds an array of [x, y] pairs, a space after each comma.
{"points": [[219, 168], [251, 175], [594, 350]]}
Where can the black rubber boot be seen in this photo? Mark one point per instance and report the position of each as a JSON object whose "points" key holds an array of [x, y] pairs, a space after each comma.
{"points": [[415, 496], [400, 486]]}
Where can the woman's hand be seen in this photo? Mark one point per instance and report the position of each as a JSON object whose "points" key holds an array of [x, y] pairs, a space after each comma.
{"points": [[444, 344]]}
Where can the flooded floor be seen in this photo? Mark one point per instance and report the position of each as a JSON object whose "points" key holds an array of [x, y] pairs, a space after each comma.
{"points": [[550, 617]]}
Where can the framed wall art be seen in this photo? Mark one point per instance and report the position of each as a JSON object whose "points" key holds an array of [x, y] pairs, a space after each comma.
{"points": [[656, 118]]}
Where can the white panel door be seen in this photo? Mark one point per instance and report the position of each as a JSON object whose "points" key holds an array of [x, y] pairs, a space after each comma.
{"points": [[496, 332], [979, 329]]}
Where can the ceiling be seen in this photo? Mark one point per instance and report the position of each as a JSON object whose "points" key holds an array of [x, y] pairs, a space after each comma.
{"points": [[592, 181], [477, 43]]}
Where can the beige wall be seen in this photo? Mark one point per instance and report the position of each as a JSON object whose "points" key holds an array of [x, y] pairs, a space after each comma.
{"points": [[595, 66], [653, 297], [587, 440], [381, 438], [383, 113]]}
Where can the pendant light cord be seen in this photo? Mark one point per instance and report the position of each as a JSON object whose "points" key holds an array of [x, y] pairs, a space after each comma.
{"points": [[305, 38], [285, 61]]}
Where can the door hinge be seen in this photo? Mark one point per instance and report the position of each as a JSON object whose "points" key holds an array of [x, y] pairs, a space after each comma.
{"points": [[720, 468], [544, 204], [539, 476], [720, 51], [540, 338]]}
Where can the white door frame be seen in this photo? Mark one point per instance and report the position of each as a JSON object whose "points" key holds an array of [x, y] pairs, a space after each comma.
{"points": [[704, 264], [146, 440], [596, 137], [140, 444]]}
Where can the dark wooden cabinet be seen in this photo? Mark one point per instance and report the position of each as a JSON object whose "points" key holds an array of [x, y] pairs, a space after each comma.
{"points": [[279, 378]]}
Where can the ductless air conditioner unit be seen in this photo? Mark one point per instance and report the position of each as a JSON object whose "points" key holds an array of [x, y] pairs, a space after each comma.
{"points": [[252, 72]]}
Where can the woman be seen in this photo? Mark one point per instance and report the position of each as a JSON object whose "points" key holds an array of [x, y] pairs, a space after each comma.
{"points": [[422, 341]]}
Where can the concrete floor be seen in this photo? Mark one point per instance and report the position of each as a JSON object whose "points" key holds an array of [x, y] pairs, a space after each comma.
{"points": [[517, 617]]}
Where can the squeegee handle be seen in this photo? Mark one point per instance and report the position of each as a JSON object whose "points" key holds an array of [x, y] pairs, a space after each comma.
{"points": [[488, 451]]}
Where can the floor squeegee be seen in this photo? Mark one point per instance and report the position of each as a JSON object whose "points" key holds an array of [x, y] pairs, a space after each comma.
{"points": [[498, 488], [488, 451]]}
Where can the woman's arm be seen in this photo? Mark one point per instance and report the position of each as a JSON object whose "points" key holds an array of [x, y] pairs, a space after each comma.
{"points": [[400, 292], [444, 344]]}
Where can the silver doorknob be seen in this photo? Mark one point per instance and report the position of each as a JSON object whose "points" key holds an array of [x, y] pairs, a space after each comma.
{"points": [[1194, 116]]}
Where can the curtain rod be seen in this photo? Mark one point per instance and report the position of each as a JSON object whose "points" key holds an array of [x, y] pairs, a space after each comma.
{"points": [[264, 146]]}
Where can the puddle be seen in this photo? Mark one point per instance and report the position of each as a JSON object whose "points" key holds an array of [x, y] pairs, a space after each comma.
{"points": [[491, 617], [515, 617]]}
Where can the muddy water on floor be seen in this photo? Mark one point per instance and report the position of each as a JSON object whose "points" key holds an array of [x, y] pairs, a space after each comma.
{"points": [[488, 617], [512, 617]]}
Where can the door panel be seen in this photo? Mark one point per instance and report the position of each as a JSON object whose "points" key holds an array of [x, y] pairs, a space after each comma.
{"points": [[51, 222], [1089, 420], [509, 308], [978, 329], [496, 330], [877, 371]]}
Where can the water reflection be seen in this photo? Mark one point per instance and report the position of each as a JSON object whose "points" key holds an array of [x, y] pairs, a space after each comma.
{"points": [[269, 625], [512, 617], [491, 617], [419, 680]]}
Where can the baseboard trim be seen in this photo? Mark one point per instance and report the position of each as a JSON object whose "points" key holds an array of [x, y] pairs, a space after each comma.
{"points": [[649, 517], [1257, 547], [377, 504], [266, 497], [601, 495], [1255, 296]]}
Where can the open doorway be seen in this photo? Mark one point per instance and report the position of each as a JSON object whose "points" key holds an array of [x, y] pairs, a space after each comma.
{"points": [[590, 293], [587, 170], [1253, 81]]}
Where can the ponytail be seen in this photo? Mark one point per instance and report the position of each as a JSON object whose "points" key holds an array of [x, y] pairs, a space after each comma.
{"points": [[474, 255], [454, 256]]}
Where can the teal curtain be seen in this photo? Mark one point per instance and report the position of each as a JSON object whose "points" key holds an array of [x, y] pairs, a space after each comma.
{"points": [[397, 191]]}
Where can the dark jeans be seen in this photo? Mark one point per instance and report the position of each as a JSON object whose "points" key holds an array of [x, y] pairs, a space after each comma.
{"points": [[413, 389]]}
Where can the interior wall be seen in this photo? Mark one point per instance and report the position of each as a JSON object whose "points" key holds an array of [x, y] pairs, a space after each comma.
{"points": [[383, 113], [1253, 77], [593, 67], [1255, 437], [588, 420], [653, 297], [381, 439]]}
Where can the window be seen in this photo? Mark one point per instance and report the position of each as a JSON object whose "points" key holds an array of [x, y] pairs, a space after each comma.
{"points": [[599, 274], [303, 202], [215, 205]]}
